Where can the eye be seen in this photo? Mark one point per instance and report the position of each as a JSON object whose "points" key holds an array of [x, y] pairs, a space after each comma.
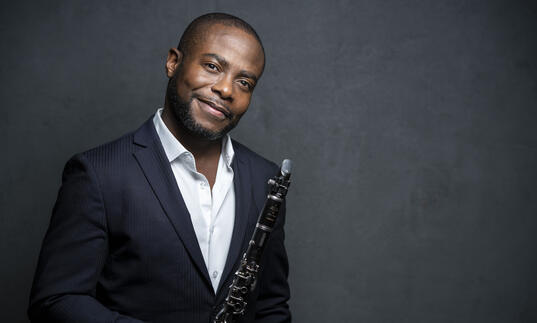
{"points": [[211, 66], [245, 84]]}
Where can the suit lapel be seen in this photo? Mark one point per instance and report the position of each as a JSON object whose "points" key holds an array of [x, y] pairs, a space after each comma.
{"points": [[243, 196], [156, 167]]}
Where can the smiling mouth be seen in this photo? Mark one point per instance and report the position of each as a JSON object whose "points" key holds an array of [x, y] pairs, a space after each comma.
{"points": [[224, 111]]}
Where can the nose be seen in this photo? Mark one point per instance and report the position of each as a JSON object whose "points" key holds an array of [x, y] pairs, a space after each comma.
{"points": [[224, 88]]}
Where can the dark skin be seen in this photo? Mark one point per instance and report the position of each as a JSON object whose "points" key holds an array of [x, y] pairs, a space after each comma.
{"points": [[219, 75]]}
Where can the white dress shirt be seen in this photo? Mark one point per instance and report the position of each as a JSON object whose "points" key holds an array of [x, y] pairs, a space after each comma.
{"points": [[212, 212]]}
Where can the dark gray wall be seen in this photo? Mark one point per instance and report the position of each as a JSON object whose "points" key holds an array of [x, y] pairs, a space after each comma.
{"points": [[412, 125]]}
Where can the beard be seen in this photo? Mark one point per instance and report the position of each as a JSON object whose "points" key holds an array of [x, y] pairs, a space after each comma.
{"points": [[182, 111]]}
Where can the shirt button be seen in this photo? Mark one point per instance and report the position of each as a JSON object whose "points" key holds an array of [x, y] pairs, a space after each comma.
{"points": [[215, 274]]}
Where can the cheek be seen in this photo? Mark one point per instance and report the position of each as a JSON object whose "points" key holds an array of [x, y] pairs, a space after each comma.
{"points": [[245, 101], [242, 106], [196, 78]]}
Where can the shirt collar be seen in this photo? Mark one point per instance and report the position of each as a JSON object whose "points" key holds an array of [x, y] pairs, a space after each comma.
{"points": [[173, 147], [227, 150]]}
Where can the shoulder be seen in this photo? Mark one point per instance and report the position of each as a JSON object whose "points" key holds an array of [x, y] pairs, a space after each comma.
{"points": [[110, 152], [108, 159], [119, 151], [92, 166]]}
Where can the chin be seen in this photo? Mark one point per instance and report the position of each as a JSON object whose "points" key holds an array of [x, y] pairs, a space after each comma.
{"points": [[207, 131], [210, 127]]}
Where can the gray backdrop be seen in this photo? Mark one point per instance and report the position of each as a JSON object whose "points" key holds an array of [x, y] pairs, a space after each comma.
{"points": [[411, 123]]}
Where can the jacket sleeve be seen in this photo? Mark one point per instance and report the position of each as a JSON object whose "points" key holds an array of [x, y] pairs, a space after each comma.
{"points": [[271, 305], [73, 253]]}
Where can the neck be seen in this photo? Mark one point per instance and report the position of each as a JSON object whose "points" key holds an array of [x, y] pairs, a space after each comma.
{"points": [[201, 148]]}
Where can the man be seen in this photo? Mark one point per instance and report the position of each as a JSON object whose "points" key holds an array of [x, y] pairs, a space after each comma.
{"points": [[151, 227]]}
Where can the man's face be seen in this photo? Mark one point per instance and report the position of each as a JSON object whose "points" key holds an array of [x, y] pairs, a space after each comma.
{"points": [[213, 83]]}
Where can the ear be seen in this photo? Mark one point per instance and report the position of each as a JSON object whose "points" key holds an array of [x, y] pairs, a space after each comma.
{"points": [[173, 61]]}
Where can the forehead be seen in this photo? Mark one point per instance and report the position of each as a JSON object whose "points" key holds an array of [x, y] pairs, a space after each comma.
{"points": [[237, 47]]}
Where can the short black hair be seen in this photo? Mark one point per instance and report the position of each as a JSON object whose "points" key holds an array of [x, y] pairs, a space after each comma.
{"points": [[194, 30]]}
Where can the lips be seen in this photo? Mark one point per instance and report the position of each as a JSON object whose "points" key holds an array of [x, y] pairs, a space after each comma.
{"points": [[215, 109]]}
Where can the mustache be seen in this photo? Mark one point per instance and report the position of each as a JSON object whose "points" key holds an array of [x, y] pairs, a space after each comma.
{"points": [[215, 104]]}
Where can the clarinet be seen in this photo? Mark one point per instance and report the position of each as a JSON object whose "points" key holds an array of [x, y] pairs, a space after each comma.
{"points": [[245, 277]]}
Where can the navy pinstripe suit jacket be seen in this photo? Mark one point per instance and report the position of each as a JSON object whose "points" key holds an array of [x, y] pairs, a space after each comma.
{"points": [[120, 246]]}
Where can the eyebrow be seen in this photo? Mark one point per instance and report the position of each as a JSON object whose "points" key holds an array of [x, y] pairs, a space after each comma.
{"points": [[225, 63]]}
